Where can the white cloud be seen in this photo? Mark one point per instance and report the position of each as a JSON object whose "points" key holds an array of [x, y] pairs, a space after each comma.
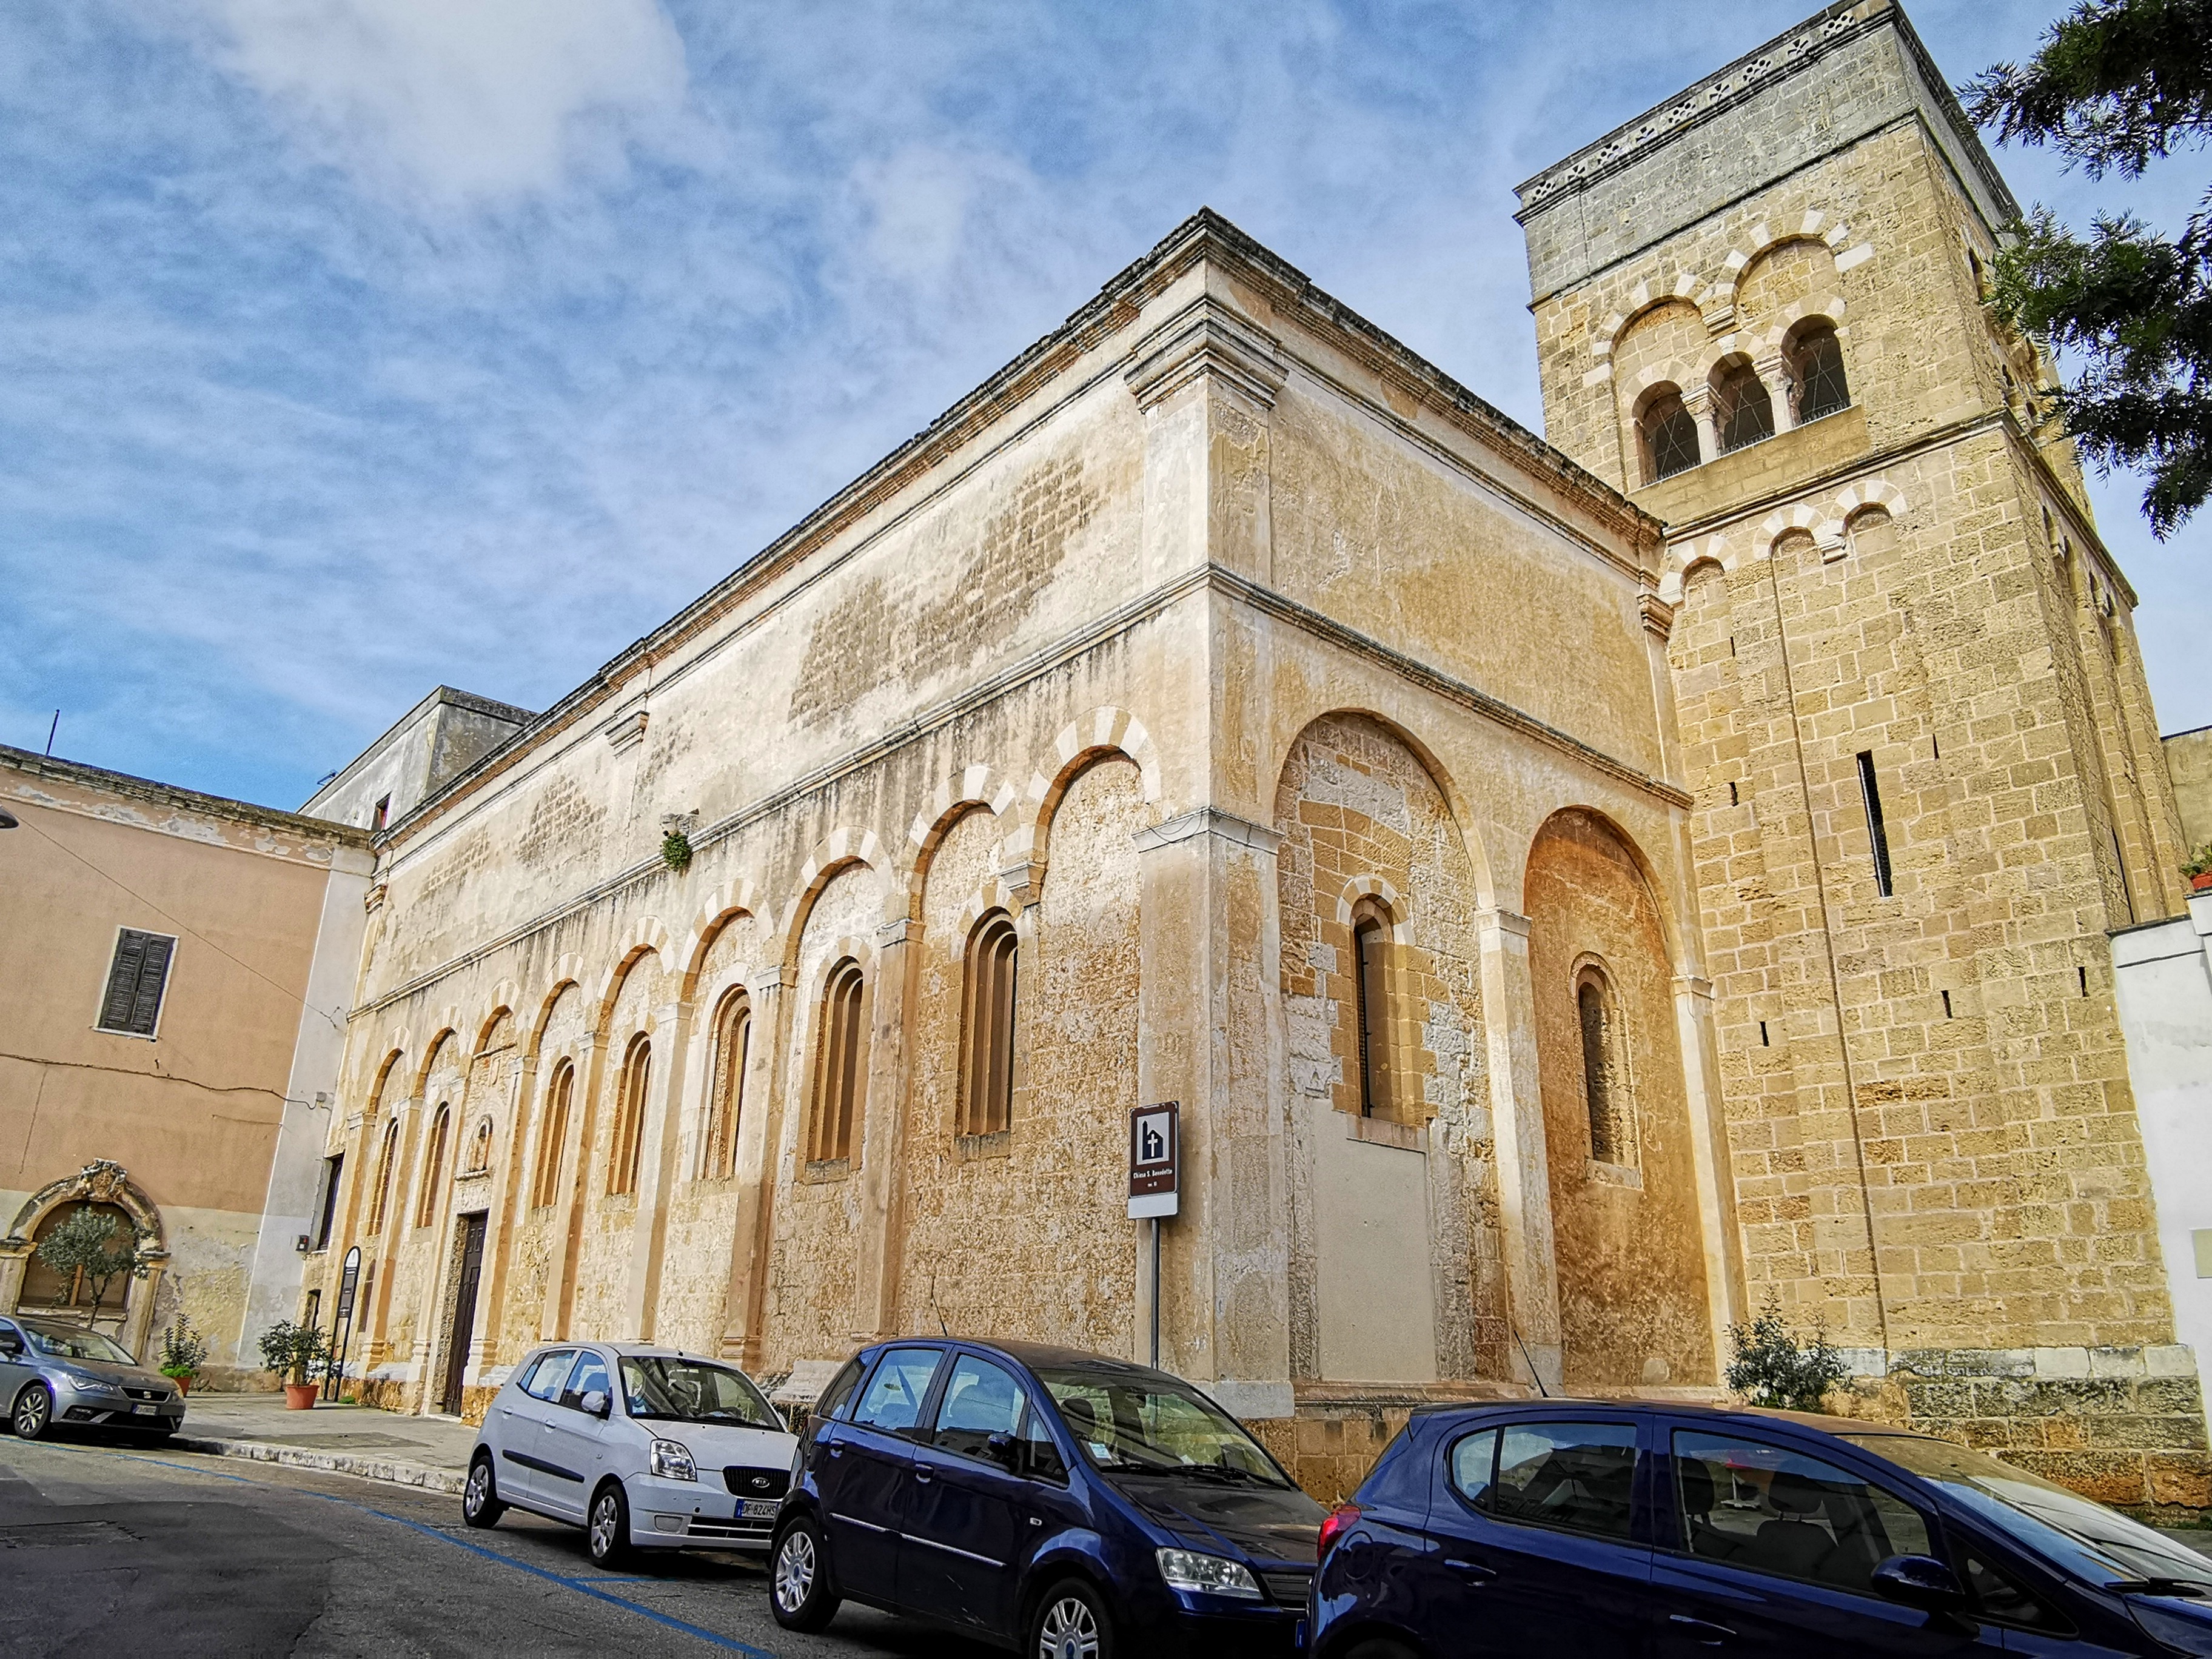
{"points": [[458, 102]]}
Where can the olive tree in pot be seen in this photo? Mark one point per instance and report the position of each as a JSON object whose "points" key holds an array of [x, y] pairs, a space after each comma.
{"points": [[292, 1351]]}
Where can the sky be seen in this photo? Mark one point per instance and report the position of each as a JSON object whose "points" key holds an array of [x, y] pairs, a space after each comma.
{"points": [[351, 347]]}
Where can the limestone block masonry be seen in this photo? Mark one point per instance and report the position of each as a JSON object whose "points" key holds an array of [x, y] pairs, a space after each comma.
{"points": [[1924, 767]]}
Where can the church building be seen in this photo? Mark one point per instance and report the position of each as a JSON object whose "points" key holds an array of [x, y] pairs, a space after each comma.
{"points": [[1572, 890]]}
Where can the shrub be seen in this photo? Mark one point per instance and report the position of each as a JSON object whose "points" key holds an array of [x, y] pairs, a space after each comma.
{"points": [[184, 1350], [1773, 1366], [291, 1351], [82, 1244]]}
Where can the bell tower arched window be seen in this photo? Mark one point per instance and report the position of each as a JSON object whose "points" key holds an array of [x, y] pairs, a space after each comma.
{"points": [[987, 1099], [1669, 435], [1743, 412], [1815, 359]]}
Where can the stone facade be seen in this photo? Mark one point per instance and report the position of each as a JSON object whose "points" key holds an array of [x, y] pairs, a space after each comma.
{"points": [[1895, 619]]}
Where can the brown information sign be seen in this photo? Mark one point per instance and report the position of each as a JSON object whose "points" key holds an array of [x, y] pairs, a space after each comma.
{"points": [[1155, 1159]]}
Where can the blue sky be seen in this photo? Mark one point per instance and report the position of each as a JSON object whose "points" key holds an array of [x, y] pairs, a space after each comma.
{"points": [[351, 346]]}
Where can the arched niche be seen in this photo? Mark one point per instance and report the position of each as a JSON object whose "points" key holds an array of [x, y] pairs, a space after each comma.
{"points": [[107, 1186]]}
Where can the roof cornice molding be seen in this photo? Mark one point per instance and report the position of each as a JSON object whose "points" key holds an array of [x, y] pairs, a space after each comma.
{"points": [[51, 768]]}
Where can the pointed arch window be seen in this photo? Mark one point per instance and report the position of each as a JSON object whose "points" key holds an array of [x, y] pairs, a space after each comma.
{"points": [[1370, 1004], [840, 1065], [1605, 1073], [986, 1098], [433, 1161], [553, 1137], [1815, 359], [1743, 412], [1669, 434], [734, 1042], [388, 1160], [630, 1116]]}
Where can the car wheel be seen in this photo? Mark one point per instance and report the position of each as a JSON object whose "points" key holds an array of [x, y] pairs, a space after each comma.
{"points": [[606, 1535], [798, 1580], [1070, 1622], [480, 1504], [35, 1411]]}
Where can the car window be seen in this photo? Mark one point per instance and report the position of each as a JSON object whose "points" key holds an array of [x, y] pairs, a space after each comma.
{"points": [[63, 1343], [979, 1400], [895, 1392], [543, 1379], [685, 1390], [590, 1373], [1579, 1476], [1474, 1466], [839, 1390], [1999, 1598], [1770, 1509], [1039, 1459]]}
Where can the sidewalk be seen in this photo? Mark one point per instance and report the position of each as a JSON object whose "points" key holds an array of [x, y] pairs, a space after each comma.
{"points": [[432, 1452]]}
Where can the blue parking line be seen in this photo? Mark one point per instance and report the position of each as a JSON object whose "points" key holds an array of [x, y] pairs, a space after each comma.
{"points": [[581, 1586]]}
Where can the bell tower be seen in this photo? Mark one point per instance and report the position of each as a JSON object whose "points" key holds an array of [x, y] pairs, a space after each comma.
{"points": [[1924, 760]]}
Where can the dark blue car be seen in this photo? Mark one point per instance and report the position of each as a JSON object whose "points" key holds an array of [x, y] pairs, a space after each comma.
{"points": [[1066, 1504], [1573, 1528]]}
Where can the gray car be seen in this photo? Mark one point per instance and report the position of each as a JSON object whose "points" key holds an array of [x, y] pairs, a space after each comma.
{"points": [[53, 1372]]}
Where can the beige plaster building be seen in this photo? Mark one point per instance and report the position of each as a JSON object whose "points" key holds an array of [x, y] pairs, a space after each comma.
{"points": [[1220, 705], [178, 967], [1926, 776]]}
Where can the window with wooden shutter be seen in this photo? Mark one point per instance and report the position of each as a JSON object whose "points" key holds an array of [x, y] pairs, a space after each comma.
{"points": [[136, 980]]}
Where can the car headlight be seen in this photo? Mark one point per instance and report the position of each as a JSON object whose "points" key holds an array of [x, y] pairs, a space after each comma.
{"points": [[672, 1460], [86, 1382], [1187, 1570]]}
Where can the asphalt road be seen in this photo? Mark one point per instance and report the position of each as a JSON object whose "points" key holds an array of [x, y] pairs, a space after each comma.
{"points": [[115, 1548]]}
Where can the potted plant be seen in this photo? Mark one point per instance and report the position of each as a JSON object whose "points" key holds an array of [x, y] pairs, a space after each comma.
{"points": [[2199, 870], [184, 1350], [291, 1351]]}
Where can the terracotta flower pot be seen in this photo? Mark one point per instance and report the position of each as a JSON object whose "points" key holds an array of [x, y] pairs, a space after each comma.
{"points": [[184, 1384], [299, 1396], [2201, 884]]}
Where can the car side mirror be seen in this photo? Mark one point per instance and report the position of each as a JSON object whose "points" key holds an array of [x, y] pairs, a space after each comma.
{"points": [[597, 1403], [999, 1448], [1919, 1581]]}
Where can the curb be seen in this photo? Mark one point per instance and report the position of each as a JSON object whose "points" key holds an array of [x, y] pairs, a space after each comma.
{"points": [[367, 1469]]}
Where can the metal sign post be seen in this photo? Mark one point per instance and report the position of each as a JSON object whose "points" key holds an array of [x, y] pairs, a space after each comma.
{"points": [[1155, 1181], [342, 1322]]}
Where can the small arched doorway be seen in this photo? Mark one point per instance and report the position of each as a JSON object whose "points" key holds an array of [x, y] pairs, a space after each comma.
{"points": [[124, 1306]]}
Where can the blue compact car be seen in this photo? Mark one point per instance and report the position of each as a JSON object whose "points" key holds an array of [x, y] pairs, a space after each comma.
{"points": [[1575, 1527], [1066, 1504]]}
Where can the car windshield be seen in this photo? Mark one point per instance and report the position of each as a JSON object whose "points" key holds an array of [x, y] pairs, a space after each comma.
{"points": [[2083, 1537], [1147, 1424], [60, 1342], [679, 1390]]}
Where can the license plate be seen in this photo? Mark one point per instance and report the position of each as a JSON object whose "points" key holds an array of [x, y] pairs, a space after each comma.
{"points": [[141, 1411], [757, 1509]]}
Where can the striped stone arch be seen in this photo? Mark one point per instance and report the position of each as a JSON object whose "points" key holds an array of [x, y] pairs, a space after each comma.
{"points": [[1830, 306], [504, 997], [958, 794], [1870, 492], [568, 970], [841, 847], [1684, 285], [646, 935], [993, 895], [1685, 556], [1102, 731], [447, 1024], [718, 910], [1764, 238], [1826, 527], [1360, 887]]}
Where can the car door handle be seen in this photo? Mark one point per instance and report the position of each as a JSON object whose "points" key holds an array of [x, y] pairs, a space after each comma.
{"points": [[837, 1451], [1471, 1569], [1701, 1630], [923, 1476]]}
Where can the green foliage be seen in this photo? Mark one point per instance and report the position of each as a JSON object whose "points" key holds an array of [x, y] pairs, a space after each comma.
{"points": [[1774, 1366], [676, 851], [2117, 85], [292, 1351], [2200, 862], [86, 1243], [184, 1350]]}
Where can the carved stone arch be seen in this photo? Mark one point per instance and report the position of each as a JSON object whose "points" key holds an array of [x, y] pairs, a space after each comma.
{"points": [[643, 943], [567, 972], [722, 907], [1824, 307], [853, 945], [376, 1101], [975, 789], [1102, 731], [841, 849], [449, 1023], [99, 1181], [1671, 929], [1826, 528], [1644, 297], [504, 996], [1814, 226], [1870, 492], [993, 895], [1683, 557]]}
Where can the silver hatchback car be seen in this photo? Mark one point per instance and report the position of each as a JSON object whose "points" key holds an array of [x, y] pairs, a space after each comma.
{"points": [[645, 1448], [54, 1372]]}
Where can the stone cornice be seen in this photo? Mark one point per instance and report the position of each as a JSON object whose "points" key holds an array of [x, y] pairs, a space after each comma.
{"points": [[1206, 238], [1209, 821], [47, 768], [1206, 339]]}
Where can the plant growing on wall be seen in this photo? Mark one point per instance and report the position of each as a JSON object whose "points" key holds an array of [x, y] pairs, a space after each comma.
{"points": [[1774, 1366], [676, 850], [292, 1351], [83, 1249], [2199, 867], [184, 1350]]}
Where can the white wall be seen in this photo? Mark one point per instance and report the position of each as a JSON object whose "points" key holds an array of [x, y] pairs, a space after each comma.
{"points": [[2164, 975]]}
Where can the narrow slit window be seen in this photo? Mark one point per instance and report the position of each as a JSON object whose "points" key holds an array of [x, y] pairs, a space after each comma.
{"points": [[734, 1044], [433, 1158], [553, 1137], [1947, 1005], [841, 1069], [987, 1097], [387, 1163], [1605, 1082], [137, 979], [1876, 834], [1765, 1042], [629, 1118], [383, 814], [1371, 1013], [328, 1209]]}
